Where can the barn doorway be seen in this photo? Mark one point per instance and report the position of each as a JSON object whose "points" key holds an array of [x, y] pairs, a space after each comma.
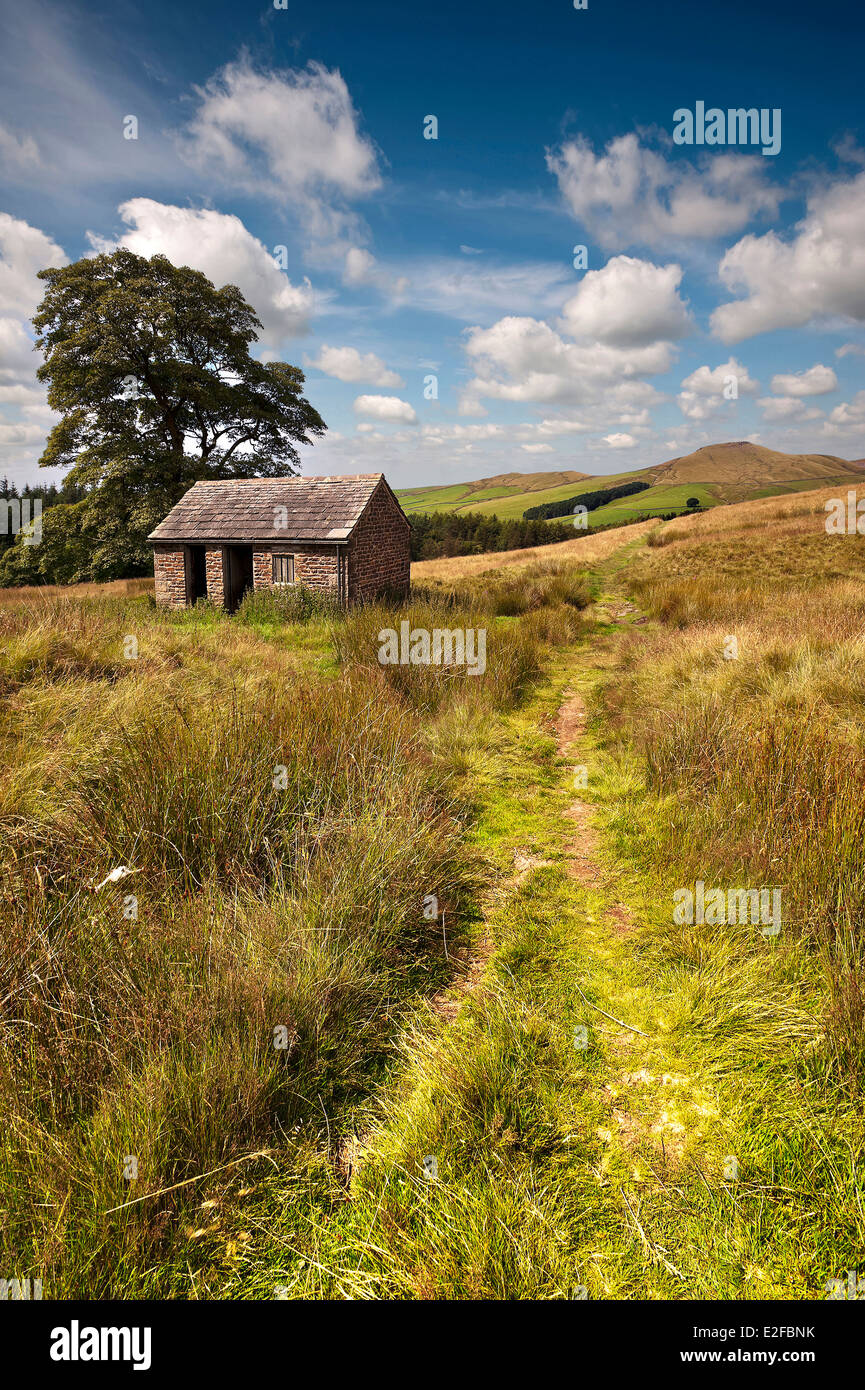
{"points": [[196, 574], [237, 567]]}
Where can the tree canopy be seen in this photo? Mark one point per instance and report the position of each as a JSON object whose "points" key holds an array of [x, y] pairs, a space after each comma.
{"points": [[149, 366]]}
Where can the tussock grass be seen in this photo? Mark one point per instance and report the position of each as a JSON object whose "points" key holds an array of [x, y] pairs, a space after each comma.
{"points": [[513, 592], [584, 550], [284, 804], [761, 757], [512, 657], [257, 907]]}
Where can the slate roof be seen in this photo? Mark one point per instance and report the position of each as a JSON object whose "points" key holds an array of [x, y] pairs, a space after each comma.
{"points": [[244, 509]]}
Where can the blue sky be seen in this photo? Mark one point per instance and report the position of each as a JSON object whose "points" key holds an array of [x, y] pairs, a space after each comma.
{"points": [[283, 150]]}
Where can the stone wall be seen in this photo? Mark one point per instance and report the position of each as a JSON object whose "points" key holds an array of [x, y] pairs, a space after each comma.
{"points": [[379, 553], [215, 577], [314, 565], [169, 570]]}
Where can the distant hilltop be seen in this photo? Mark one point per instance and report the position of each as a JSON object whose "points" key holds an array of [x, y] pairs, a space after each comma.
{"points": [[717, 473], [744, 462]]}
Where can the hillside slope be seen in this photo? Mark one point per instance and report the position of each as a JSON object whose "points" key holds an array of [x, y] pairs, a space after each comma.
{"points": [[744, 462], [718, 473]]}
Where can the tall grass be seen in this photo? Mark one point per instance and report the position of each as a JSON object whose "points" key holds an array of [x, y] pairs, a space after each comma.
{"points": [[257, 905], [512, 657], [509, 593], [760, 758], [295, 603], [241, 988]]}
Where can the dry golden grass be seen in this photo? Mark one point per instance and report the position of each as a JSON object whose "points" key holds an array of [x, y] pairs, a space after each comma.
{"points": [[799, 512], [758, 743], [118, 588], [752, 554], [744, 462], [585, 549]]}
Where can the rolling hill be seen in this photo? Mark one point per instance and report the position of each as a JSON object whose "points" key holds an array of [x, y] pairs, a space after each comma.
{"points": [[717, 473]]}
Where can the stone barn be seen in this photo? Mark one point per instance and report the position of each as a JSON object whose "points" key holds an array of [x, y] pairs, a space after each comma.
{"points": [[347, 536]]}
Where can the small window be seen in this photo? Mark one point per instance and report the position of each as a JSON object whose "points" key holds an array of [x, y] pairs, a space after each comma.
{"points": [[283, 569]]}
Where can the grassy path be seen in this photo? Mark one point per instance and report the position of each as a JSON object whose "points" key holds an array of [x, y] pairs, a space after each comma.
{"points": [[592, 1111]]}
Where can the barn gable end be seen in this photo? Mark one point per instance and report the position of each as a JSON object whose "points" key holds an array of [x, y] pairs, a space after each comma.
{"points": [[379, 552]]}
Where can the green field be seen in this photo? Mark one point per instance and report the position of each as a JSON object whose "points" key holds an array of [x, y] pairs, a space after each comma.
{"points": [[419, 499], [510, 502], [506, 502], [672, 498]]}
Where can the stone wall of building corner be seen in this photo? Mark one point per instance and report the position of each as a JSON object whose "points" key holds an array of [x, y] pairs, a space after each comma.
{"points": [[215, 575], [314, 565], [379, 553], [262, 569], [169, 574]]}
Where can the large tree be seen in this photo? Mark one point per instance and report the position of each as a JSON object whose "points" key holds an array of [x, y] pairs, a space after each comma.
{"points": [[149, 366]]}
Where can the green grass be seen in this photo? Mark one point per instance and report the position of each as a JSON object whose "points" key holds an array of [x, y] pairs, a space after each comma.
{"points": [[285, 805], [433, 498], [602, 1169], [290, 911], [657, 501], [511, 502], [506, 502]]}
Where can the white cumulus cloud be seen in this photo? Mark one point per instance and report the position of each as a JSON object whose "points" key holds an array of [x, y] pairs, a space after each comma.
{"points": [[848, 417], [786, 408], [554, 425], [24, 250], [347, 364], [523, 359], [819, 275], [702, 393], [219, 245], [288, 132], [628, 303], [632, 195], [385, 408], [816, 381]]}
